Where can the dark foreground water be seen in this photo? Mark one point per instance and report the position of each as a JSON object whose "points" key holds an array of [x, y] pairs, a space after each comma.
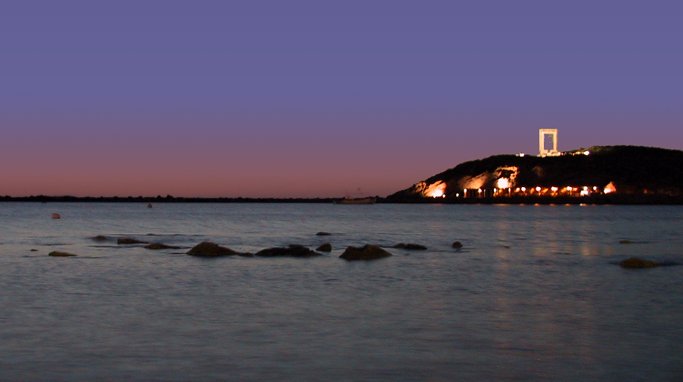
{"points": [[532, 296]]}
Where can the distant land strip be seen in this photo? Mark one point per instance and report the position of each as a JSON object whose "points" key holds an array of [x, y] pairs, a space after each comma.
{"points": [[526, 200]]}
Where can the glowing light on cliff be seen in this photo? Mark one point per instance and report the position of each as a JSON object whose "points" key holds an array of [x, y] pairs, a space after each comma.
{"points": [[474, 183], [435, 190], [503, 183], [610, 188]]}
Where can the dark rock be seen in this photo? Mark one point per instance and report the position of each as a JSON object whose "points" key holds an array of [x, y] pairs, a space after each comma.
{"points": [[60, 254], [327, 247], [457, 245], [367, 252], [291, 251], [322, 233], [160, 246], [208, 249], [99, 238], [411, 246], [129, 240], [34, 250], [636, 263]]}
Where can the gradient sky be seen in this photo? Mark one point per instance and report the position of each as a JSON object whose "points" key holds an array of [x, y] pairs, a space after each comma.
{"points": [[319, 98]]}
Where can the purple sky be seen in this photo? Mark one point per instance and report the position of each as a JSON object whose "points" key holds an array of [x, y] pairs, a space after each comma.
{"points": [[319, 98]]}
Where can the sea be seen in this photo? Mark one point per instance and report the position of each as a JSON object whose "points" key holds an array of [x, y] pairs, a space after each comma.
{"points": [[534, 294]]}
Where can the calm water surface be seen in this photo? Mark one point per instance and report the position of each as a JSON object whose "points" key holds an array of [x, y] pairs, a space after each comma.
{"points": [[533, 295]]}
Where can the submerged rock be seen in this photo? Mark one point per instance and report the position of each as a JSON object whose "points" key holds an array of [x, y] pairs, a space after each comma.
{"points": [[366, 252], [293, 250], [456, 245], [33, 250], [411, 246], [327, 247], [60, 254], [323, 233], [156, 246], [129, 240], [637, 263], [209, 249], [99, 238]]}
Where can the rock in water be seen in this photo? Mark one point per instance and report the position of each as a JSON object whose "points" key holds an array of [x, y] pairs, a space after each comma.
{"points": [[322, 233], [327, 247], [156, 246], [209, 249], [60, 254], [367, 252], [457, 245], [56, 215], [99, 238], [291, 251], [411, 246], [636, 263], [129, 240]]}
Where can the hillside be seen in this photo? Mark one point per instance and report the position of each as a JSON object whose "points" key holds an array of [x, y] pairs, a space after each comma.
{"points": [[617, 171]]}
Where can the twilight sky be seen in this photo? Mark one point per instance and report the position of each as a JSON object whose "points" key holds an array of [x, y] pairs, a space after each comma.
{"points": [[319, 98]]}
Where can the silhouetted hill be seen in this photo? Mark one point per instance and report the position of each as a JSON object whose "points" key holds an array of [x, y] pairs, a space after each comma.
{"points": [[633, 171]]}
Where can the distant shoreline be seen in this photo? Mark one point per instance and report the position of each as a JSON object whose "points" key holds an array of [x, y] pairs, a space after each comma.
{"points": [[593, 200]]}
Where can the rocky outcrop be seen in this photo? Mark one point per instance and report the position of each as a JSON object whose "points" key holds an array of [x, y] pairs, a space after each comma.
{"points": [[625, 174], [129, 240], [366, 252], [61, 254], [209, 249], [293, 250], [157, 246], [637, 263], [327, 247], [410, 246]]}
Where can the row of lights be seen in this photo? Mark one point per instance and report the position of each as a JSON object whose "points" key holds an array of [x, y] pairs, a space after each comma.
{"points": [[582, 191]]}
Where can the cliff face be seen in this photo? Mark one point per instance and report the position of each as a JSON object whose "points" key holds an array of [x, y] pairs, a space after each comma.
{"points": [[626, 170]]}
